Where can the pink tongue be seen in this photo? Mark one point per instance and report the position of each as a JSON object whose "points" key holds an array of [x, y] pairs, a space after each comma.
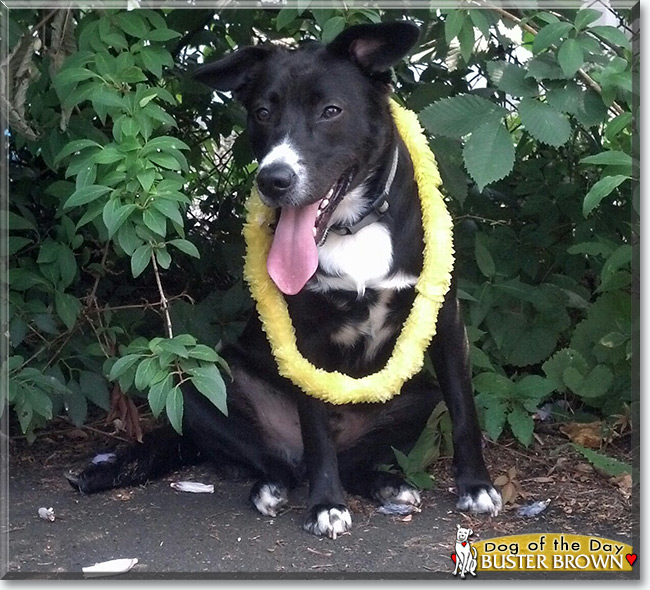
{"points": [[293, 258]]}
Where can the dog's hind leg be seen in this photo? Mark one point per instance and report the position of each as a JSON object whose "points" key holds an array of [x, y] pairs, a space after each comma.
{"points": [[451, 362], [161, 451]]}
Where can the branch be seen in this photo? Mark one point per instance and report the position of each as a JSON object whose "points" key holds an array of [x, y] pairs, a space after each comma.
{"points": [[163, 299]]}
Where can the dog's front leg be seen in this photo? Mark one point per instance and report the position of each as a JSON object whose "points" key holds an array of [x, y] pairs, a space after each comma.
{"points": [[451, 362], [327, 514]]}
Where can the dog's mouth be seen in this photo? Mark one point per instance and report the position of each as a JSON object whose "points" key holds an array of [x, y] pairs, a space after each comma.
{"points": [[293, 258], [328, 205]]}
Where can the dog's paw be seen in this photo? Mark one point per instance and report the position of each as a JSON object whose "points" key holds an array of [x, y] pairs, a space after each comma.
{"points": [[480, 498], [328, 521], [269, 497]]}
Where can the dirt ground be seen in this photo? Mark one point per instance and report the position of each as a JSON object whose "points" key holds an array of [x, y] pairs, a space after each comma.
{"points": [[183, 535]]}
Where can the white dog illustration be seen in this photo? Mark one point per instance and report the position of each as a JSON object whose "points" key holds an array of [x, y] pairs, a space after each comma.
{"points": [[465, 553]]}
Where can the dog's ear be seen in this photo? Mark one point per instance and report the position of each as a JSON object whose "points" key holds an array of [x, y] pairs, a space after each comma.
{"points": [[376, 47], [470, 532], [233, 71]]}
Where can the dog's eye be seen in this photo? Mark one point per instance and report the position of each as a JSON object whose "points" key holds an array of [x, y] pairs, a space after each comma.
{"points": [[330, 112], [262, 114]]}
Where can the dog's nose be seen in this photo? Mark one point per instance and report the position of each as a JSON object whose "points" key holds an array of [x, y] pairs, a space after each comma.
{"points": [[275, 180]]}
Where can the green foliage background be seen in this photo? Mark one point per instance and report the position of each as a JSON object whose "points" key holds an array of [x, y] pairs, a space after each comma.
{"points": [[127, 183]]}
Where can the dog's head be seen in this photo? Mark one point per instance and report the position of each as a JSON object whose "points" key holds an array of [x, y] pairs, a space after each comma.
{"points": [[319, 125], [462, 534]]}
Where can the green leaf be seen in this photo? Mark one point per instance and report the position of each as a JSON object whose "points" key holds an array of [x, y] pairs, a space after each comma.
{"points": [[163, 257], [511, 78], [585, 17], [74, 147], [76, 407], [140, 260], [67, 266], [114, 215], [467, 40], [332, 28], [493, 383], [453, 24], [489, 153], [185, 246], [495, 419], [95, 388], [169, 209], [203, 353], [146, 371], [146, 178], [122, 365], [284, 17], [534, 386], [613, 35], [208, 380], [132, 24], [162, 35], [86, 194], [531, 347], [155, 221], [550, 34], [67, 307], [459, 115], [484, 259], [107, 97], [608, 465], [544, 123], [174, 407], [521, 424], [72, 75], [174, 346], [570, 57], [545, 67], [609, 158], [600, 190], [158, 394], [595, 384], [165, 160]]}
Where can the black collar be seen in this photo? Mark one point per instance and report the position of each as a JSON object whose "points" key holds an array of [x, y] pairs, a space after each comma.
{"points": [[378, 209]]}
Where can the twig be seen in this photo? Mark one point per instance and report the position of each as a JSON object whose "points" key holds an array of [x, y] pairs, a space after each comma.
{"points": [[163, 299]]}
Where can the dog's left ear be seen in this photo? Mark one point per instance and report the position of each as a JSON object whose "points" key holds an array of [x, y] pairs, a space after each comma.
{"points": [[377, 47]]}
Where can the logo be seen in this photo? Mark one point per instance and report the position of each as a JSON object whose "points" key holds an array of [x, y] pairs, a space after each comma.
{"points": [[540, 552], [464, 555]]}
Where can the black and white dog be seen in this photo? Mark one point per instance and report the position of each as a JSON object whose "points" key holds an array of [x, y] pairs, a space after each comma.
{"points": [[346, 253]]}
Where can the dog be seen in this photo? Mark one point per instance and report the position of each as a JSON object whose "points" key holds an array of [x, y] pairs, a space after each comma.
{"points": [[319, 125], [465, 553]]}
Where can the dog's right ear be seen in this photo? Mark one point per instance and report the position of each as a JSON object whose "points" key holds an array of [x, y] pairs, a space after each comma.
{"points": [[233, 71], [376, 47]]}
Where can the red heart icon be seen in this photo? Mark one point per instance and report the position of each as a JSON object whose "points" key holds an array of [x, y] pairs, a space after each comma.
{"points": [[464, 543], [631, 558], [453, 557]]}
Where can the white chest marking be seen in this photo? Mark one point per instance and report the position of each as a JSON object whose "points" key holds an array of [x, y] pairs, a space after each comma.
{"points": [[375, 330], [357, 260]]}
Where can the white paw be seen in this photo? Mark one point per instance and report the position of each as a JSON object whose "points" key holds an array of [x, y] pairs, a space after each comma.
{"points": [[269, 498], [405, 494], [486, 499], [328, 522]]}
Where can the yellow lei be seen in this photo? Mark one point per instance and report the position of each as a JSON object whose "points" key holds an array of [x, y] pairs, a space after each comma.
{"points": [[420, 326]]}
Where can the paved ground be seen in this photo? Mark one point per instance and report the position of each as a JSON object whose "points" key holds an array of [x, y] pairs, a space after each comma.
{"points": [[176, 534]]}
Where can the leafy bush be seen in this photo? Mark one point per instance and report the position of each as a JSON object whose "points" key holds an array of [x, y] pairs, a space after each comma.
{"points": [[123, 170]]}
